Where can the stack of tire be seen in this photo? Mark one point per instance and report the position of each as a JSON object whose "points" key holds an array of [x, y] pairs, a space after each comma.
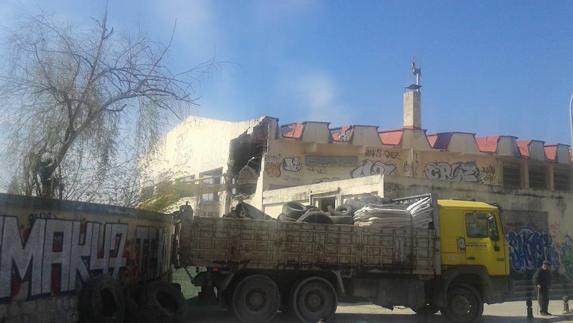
{"points": [[104, 300], [298, 212]]}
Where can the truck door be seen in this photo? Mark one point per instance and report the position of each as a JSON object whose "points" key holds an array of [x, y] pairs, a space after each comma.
{"points": [[485, 245]]}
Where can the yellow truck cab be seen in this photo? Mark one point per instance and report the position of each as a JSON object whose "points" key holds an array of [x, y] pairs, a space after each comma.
{"points": [[472, 235]]}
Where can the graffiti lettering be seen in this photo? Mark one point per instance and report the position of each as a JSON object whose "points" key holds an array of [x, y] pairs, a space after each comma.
{"points": [[488, 174], [370, 167], [53, 256], [528, 249], [273, 167], [343, 134], [379, 153], [318, 170], [566, 256], [292, 164], [456, 172]]}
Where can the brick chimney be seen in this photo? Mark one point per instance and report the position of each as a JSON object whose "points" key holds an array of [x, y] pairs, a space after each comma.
{"points": [[412, 109]]}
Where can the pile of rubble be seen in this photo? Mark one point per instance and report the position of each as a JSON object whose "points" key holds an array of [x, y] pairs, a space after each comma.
{"points": [[361, 211]]}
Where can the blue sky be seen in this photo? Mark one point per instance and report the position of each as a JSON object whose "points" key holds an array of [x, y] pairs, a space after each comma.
{"points": [[490, 67]]}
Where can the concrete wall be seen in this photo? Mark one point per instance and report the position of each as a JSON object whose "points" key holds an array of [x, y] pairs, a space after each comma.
{"points": [[273, 200], [292, 163], [49, 249]]}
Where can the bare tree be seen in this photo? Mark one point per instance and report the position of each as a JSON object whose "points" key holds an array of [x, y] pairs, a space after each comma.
{"points": [[84, 105]]}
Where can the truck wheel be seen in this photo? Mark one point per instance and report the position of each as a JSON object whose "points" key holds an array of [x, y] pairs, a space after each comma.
{"points": [[101, 300], [161, 302], [464, 304], [426, 310], [314, 299], [256, 298]]}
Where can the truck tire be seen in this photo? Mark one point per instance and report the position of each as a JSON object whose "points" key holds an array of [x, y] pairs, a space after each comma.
{"points": [[294, 209], [256, 298], [283, 217], [101, 300], [161, 302], [343, 210], [464, 304], [313, 216], [426, 310], [133, 304], [314, 299]]}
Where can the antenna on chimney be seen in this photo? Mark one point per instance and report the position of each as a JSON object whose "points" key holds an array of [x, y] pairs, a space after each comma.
{"points": [[417, 72]]}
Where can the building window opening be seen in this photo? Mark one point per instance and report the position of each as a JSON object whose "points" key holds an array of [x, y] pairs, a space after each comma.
{"points": [[210, 181], [326, 203], [562, 178], [537, 177], [512, 175]]}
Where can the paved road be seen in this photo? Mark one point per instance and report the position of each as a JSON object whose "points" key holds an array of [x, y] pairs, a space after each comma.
{"points": [[511, 312]]}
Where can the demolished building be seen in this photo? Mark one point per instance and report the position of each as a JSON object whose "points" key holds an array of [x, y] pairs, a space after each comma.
{"points": [[211, 163]]}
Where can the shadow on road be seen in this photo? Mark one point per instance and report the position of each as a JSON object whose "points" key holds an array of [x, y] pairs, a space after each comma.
{"points": [[222, 316]]}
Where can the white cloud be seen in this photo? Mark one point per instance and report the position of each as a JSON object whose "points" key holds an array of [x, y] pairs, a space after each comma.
{"points": [[196, 29], [317, 94]]}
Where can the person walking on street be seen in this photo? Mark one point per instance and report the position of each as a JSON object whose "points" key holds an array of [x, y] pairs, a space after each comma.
{"points": [[542, 280]]}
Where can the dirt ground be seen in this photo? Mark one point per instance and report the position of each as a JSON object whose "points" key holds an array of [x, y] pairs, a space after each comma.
{"points": [[366, 313]]}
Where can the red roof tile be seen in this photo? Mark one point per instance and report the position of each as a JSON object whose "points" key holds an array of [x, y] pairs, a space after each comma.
{"points": [[523, 147], [551, 152], [391, 137], [487, 144], [442, 140], [342, 134], [432, 139], [292, 130]]}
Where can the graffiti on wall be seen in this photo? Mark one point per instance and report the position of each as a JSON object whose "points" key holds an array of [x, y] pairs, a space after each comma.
{"points": [[318, 170], [488, 174], [462, 171], [292, 164], [273, 166], [381, 153], [343, 134], [334, 161], [370, 167], [528, 248], [565, 249], [53, 256]]}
